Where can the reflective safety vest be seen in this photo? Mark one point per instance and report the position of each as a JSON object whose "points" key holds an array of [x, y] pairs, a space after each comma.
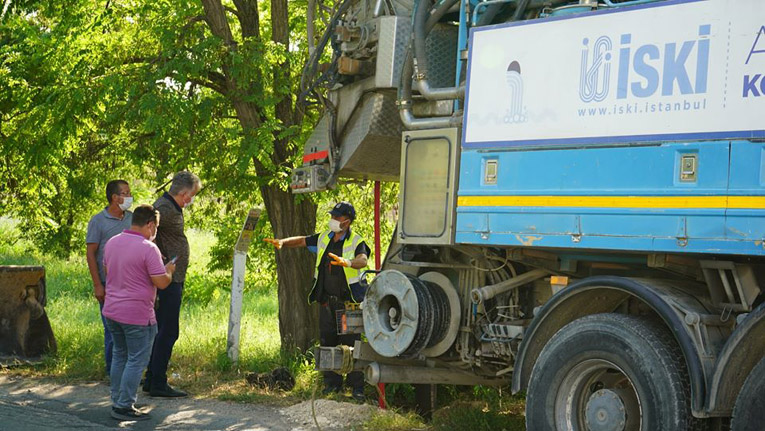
{"points": [[352, 275]]}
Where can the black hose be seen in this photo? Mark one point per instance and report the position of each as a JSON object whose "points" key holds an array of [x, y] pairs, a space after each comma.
{"points": [[520, 9], [420, 34], [313, 62], [437, 13], [434, 314], [425, 18], [405, 87]]}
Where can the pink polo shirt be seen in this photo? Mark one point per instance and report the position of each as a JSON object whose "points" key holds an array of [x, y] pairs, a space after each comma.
{"points": [[130, 261]]}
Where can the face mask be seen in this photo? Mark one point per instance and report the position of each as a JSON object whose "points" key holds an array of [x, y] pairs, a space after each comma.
{"points": [[334, 226], [126, 203], [153, 235], [189, 203]]}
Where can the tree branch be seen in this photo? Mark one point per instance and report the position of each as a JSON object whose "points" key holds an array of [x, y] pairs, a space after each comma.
{"points": [[217, 78], [249, 17], [231, 10], [194, 19], [208, 84], [141, 60], [250, 117], [216, 20]]}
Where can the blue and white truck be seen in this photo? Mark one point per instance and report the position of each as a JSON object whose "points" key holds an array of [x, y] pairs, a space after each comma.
{"points": [[582, 200]]}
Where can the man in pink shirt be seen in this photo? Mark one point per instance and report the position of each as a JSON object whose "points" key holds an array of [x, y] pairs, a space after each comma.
{"points": [[134, 272]]}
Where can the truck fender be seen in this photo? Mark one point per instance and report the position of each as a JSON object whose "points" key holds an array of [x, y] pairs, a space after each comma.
{"points": [[603, 294], [741, 352]]}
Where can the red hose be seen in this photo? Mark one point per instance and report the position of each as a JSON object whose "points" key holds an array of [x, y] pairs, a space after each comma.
{"points": [[381, 386]]}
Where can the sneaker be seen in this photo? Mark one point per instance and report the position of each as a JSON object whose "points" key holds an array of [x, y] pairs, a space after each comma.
{"points": [[358, 395], [129, 414], [167, 392]]}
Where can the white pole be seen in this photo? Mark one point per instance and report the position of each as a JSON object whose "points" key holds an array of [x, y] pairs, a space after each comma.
{"points": [[237, 284], [235, 312]]}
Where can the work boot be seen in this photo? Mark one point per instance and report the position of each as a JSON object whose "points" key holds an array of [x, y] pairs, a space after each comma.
{"points": [[166, 392], [358, 395], [330, 389]]}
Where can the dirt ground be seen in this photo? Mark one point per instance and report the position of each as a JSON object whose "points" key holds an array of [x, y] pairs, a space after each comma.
{"points": [[40, 405]]}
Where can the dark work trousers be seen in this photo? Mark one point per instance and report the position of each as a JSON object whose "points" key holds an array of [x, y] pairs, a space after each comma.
{"points": [[168, 314], [328, 337]]}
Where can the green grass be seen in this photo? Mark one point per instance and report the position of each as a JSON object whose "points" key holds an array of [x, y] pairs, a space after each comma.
{"points": [[199, 356], [392, 420], [199, 363], [481, 415]]}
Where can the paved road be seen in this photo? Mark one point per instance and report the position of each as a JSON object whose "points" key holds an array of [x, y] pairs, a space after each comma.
{"points": [[37, 405]]}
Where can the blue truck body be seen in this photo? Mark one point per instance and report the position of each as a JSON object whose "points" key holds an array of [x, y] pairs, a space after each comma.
{"points": [[618, 198]]}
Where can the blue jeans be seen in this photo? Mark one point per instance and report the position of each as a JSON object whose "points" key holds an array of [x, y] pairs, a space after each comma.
{"points": [[108, 344], [132, 347]]}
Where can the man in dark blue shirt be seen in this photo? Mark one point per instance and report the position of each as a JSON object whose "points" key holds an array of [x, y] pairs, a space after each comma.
{"points": [[340, 257]]}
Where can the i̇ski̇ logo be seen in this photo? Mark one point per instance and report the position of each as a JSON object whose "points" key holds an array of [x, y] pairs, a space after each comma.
{"points": [[595, 71]]}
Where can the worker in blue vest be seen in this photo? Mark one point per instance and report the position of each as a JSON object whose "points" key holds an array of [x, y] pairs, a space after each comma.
{"points": [[341, 254]]}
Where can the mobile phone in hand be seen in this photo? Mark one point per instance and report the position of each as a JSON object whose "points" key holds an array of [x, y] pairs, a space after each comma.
{"points": [[173, 260]]}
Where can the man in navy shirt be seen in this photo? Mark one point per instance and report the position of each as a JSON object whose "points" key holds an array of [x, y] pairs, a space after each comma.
{"points": [[340, 257]]}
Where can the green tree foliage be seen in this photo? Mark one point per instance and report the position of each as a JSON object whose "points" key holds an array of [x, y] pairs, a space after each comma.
{"points": [[54, 146], [95, 90], [92, 90]]}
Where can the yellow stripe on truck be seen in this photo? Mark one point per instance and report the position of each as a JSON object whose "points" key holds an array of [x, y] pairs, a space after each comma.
{"points": [[658, 202]]}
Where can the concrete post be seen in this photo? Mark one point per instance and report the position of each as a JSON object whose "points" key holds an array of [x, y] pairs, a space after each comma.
{"points": [[235, 311], [237, 284]]}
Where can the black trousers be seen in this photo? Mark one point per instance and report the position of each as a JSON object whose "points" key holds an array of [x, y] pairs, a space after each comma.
{"points": [[168, 315], [328, 337]]}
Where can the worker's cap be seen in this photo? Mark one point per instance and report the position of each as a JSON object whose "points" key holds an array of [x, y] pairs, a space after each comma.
{"points": [[344, 209]]}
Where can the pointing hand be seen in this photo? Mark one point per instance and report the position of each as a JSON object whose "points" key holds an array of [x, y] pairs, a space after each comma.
{"points": [[339, 261], [275, 242]]}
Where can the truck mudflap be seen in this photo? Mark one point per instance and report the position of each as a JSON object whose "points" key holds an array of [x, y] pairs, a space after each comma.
{"points": [[25, 330], [741, 353]]}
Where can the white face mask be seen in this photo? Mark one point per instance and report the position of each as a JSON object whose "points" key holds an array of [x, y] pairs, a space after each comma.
{"points": [[334, 226], [127, 202]]}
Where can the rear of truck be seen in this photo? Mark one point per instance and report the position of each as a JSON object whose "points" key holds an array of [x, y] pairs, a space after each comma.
{"points": [[581, 206]]}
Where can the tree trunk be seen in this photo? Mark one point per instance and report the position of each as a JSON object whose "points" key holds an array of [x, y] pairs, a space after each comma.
{"points": [[298, 322]]}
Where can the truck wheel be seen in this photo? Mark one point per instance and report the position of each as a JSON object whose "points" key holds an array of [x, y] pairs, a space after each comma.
{"points": [[749, 410], [610, 372]]}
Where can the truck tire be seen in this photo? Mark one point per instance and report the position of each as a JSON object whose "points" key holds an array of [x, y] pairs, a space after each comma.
{"points": [[749, 410], [610, 372]]}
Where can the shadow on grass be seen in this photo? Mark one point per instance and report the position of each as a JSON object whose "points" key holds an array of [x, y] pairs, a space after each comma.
{"points": [[476, 416]]}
